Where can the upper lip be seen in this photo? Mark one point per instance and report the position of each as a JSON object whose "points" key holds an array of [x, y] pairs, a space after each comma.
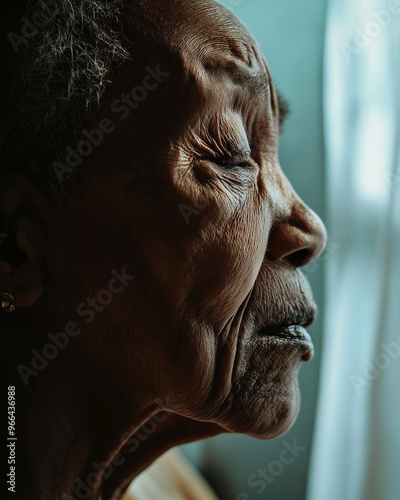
{"points": [[281, 297], [302, 317]]}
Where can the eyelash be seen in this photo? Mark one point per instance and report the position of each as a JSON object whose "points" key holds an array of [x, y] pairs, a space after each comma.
{"points": [[229, 164]]}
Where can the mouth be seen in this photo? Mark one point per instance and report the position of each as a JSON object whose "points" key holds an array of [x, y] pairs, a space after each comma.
{"points": [[296, 335], [282, 325]]}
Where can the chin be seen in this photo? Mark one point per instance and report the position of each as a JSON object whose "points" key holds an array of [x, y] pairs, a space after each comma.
{"points": [[265, 398]]}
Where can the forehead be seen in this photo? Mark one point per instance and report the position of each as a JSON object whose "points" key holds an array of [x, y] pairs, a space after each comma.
{"points": [[206, 39]]}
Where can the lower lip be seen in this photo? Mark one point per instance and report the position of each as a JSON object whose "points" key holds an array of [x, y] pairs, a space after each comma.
{"points": [[295, 335]]}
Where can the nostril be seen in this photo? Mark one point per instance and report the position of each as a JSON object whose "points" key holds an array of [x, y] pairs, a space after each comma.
{"points": [[295, 244], [300, 258]]}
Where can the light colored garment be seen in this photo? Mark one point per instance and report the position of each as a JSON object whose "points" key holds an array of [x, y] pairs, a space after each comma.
{"points": [[171, 477], [356, 452]]}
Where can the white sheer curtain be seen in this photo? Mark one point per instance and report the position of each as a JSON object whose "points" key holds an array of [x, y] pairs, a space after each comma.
{"points": [[356, 453]]}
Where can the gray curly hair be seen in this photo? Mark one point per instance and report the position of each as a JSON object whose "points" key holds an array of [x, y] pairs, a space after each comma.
{"points": [[56, 69]]}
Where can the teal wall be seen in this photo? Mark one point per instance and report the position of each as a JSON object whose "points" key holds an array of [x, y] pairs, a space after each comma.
{"points": [[291, 33]]}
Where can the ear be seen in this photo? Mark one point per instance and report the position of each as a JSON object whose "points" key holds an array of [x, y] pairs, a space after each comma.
{"points": [[26, 223]]}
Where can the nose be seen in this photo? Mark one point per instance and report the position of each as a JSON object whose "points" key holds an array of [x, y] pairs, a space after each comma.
{"points": [[298, 238]]}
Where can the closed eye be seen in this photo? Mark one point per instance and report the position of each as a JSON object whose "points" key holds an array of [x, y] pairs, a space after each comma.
{"points": [[236, 159], [231, 164]]}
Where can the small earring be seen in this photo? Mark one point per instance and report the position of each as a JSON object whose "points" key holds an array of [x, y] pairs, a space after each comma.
{"points": [[7, 302]]}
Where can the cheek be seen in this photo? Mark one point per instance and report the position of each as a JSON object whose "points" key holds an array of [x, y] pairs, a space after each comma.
{"points": [[230, 264]]}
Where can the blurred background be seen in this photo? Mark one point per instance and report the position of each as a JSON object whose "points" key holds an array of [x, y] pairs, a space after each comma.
{"points": [[337, 63]]}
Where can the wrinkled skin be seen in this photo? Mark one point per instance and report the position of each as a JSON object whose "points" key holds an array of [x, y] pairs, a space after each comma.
{"points": [[181, 337]]}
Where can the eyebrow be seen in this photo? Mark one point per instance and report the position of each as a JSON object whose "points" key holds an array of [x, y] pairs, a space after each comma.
{"points": [[259, 85], [284, 110]]}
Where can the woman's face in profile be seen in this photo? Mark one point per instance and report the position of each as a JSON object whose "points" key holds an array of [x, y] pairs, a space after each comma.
{"points": [[188, 196], [183, 214]]}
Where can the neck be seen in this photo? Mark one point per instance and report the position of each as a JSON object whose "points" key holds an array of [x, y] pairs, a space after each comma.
{"points": [[79, 437], [72, 429]]}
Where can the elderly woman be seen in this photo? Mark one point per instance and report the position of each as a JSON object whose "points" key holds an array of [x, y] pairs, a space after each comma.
{"points": [[150, 242]]}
